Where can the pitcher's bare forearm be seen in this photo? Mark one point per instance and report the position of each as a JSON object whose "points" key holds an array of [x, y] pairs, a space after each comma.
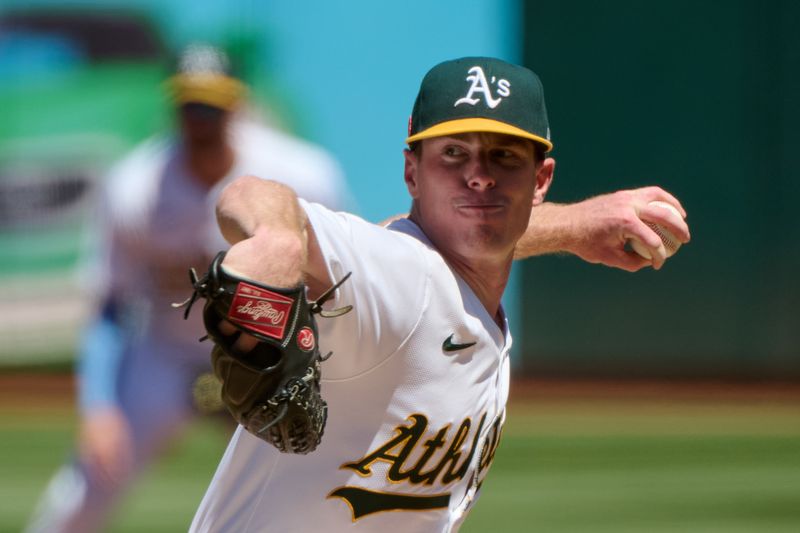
{"points": [[250, 203], [597, 229], [269, 232], [549, 231]]}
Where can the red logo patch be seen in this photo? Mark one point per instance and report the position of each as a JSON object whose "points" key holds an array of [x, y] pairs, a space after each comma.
{"points": [[260, 310], [305, 339]]}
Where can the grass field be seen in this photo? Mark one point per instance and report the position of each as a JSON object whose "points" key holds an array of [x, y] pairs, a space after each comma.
{"points": [[573, 459]]}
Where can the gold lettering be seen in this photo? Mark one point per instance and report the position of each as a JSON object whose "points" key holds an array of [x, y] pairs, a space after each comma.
{"points": [[490, 445], [468, 461], [453, 453], [454, 463], [417, 476], [406, 437]]}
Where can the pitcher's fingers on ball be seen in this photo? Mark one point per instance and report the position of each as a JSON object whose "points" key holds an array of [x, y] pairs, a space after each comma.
{"points": [[667, 215], [657, 194], [625, 260], [647, 243]]}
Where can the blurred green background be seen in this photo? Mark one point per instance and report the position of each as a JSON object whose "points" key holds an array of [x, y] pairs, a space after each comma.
{"points": [[699, 97]]}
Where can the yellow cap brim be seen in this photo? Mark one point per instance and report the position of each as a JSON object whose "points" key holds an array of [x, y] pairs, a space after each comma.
{"points": [[470, 125], [214, 90]]}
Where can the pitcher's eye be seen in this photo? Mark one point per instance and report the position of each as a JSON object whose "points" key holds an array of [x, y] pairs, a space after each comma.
{"points": [[453, 151], [505, 156]]}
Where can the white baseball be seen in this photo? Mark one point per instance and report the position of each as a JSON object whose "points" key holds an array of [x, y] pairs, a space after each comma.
{"points": [[671, 243]]}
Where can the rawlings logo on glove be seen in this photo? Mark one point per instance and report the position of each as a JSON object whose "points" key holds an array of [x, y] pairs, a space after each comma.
{"points": [[260, 310], [274, 389]]}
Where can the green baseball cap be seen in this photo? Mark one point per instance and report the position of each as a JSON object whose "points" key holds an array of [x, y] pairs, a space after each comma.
{"points": [[480, 94]]}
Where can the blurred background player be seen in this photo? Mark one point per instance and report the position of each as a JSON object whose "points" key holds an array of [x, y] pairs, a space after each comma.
{"points": [[140, 360]]}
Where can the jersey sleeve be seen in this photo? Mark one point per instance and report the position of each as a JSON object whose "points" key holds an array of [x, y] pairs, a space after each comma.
{"points": [[388, 288], [99, 363], [313, 172]]}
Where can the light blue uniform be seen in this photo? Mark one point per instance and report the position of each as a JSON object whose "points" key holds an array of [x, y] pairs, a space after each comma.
{"points": [[139, 354]]}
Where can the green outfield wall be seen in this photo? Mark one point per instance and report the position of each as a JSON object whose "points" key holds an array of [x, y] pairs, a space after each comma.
{"points": [[702, 98]]}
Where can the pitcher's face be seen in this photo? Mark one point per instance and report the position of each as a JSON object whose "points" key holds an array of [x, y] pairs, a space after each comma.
{"points": [[473, 192]]}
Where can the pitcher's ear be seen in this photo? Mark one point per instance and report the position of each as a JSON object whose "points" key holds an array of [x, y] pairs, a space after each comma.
{"points": [[544, 177]]}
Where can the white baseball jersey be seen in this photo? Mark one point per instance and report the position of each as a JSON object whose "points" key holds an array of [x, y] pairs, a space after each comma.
{"points": [[161, 220], [416, 388]]}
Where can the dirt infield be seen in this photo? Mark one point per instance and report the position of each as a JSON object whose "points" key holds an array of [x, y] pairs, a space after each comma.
{"points": [[46, 389], [36, 389]]}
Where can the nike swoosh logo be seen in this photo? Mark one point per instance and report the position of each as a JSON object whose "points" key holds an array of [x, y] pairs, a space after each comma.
{"points": [[449, 346]]}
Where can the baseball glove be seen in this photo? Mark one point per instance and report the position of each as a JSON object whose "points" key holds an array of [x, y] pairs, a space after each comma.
{"points": [[274, 389]]}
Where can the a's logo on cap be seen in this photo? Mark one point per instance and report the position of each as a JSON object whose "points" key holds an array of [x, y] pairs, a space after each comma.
{"points": [[481, 85]]}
